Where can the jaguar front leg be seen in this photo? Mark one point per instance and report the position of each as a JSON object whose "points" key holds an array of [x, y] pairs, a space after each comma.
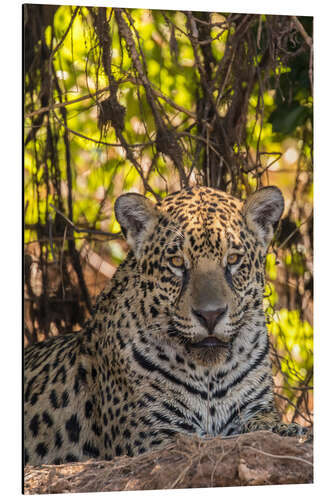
{"points": [[271, 421]]}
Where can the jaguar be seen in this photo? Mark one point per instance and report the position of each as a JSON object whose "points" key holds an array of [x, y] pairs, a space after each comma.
{"points": [[177, 342]]}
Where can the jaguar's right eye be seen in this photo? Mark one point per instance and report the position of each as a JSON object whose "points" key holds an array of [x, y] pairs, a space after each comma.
{"points": [[177, 262]]}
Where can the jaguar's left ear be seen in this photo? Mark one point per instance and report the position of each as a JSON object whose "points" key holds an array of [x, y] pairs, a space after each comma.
{"points": [[262, 211]]}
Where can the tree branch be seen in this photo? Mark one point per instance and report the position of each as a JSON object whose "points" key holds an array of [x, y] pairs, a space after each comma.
{"points": [[82, 230]]}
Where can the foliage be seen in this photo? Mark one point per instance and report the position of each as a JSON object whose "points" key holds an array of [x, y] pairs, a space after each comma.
{"points": [[151, 101]]}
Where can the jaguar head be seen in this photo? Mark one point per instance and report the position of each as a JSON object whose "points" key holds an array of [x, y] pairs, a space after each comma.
{"points": [[200, 260]]}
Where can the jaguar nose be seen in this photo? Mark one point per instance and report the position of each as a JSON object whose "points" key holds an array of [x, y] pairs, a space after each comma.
{"points": [[209, 319]]}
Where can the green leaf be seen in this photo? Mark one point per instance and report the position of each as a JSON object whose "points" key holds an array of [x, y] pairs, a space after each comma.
{"points": [[285, 119]]}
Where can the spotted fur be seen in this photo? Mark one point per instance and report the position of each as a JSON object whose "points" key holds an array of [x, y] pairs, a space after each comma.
{"points": [[177, 342]]}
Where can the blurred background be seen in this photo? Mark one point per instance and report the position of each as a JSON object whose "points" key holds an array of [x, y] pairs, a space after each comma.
{"points": [[151, 101]]}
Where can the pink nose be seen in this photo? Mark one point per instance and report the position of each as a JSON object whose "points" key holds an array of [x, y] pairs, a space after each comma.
{"points": [[209, 319]]}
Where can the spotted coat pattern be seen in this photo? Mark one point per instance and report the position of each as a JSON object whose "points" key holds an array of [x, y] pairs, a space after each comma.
{"points": [[177, 342]]}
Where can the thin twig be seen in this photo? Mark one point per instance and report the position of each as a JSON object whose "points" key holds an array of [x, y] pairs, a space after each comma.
{"points": [[50, 236], [61, 262], [302, 31], [181, 475], [130, 79], [65, 34], [56, 49], [81, 230], [66, 103], [305, 417], [103, 143], [282, 457], [303, 394], [309, 42], [295, 231]]}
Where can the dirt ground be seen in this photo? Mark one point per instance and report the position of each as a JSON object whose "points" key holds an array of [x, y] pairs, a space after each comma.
{"points": [[258, 458]]}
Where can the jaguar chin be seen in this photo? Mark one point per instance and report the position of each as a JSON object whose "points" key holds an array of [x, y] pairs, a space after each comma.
{"points": [[210, 350]]}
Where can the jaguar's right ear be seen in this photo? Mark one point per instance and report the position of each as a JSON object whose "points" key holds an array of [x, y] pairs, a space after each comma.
{"points": [[137, 216]]}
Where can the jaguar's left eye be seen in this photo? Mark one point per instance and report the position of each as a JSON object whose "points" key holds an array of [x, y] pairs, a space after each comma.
{"points": [[233, 259], [177, 262]]}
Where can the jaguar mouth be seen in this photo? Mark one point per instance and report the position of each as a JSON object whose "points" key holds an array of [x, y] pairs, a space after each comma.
{"points": [[210, 342]]}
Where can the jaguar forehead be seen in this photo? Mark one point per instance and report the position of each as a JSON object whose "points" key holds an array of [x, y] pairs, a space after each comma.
{"points": [[201, 206]]}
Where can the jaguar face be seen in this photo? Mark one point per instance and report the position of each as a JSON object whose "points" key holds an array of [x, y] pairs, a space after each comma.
{"points": [[200, 257]]}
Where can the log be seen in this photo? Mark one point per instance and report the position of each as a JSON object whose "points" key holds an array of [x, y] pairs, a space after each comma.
{"points": [[256, 458]]}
